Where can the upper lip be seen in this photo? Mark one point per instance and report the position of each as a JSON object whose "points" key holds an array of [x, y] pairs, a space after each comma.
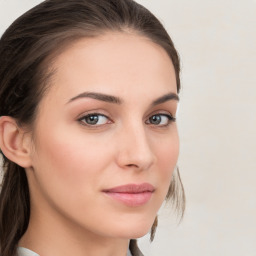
{"points": [[131, 188]]}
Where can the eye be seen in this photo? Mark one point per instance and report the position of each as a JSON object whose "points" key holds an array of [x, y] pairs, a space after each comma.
{"points": [[94, 119], [161, 119]]}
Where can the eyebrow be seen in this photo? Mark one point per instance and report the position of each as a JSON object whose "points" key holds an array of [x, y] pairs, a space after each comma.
{"points": [[98, 96], [117, 100], [166, 97]]}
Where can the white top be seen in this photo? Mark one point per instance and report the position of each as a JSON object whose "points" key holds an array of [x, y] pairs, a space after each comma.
{"points": [[26, 252]]}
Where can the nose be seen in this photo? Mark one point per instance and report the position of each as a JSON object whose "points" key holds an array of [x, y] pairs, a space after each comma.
{"points": [[134, 149]]}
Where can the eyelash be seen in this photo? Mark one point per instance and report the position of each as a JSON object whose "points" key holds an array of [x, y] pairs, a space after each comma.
{"points": [[169, 117], [93, 115], [83, 121]]}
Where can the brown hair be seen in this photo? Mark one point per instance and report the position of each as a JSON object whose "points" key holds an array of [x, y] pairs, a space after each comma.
{"points": [[25, 49]]}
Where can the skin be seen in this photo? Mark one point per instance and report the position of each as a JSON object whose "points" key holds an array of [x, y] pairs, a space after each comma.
{"points": [[73, 161]]}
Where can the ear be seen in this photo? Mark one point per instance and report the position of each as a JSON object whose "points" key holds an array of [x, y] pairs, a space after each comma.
{"points": [[14, 142]]}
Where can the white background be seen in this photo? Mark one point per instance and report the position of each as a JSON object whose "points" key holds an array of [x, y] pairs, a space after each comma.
{"points": [[217, 122]]}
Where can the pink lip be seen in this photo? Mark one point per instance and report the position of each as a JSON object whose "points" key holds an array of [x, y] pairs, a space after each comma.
{"points": [[131, 194]]}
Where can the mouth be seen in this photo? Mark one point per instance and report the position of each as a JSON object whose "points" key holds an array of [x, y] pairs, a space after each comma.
{"points": [[131, 194]]}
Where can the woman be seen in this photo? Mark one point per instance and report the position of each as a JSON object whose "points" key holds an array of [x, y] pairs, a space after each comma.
{"points": [[88, 97]]}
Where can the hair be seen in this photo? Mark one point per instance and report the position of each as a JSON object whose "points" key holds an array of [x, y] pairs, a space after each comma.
{"points": [[26, 49]]}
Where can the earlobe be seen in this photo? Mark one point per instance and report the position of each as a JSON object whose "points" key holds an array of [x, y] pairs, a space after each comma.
{"points": [[13, 143]]}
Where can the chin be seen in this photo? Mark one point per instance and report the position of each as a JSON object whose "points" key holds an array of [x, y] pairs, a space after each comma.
{"points": [[134, 229]]}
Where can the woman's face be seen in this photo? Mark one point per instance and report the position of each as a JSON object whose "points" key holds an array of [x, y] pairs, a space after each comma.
{"points": [[105, 139]]}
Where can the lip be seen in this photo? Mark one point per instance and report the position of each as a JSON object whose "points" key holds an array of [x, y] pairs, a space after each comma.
{"points": [[131, 194]]}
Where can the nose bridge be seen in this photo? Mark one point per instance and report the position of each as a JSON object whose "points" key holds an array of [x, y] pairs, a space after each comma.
{"points": [[135, 147]]}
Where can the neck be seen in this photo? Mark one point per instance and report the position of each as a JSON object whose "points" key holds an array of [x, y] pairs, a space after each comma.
{"points": [[51, 234]]}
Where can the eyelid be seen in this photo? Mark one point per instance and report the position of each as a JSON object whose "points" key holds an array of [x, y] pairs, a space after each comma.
{"points": [[93, 113], [162, 112], [168, 115], [101, 112]]}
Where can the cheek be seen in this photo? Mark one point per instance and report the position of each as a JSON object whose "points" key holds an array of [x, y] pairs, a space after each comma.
{"points": [[69, 163], [167, 152]]}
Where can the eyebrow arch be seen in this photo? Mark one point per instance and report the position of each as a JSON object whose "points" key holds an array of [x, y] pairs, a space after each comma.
{"points": [[166, 97], [97, 96], [116, 100]]}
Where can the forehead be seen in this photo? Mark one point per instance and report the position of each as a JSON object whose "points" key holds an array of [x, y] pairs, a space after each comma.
{"points": [[115, 63]]}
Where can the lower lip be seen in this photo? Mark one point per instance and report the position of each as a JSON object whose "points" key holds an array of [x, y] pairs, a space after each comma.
{"points": [[131, 199]]}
